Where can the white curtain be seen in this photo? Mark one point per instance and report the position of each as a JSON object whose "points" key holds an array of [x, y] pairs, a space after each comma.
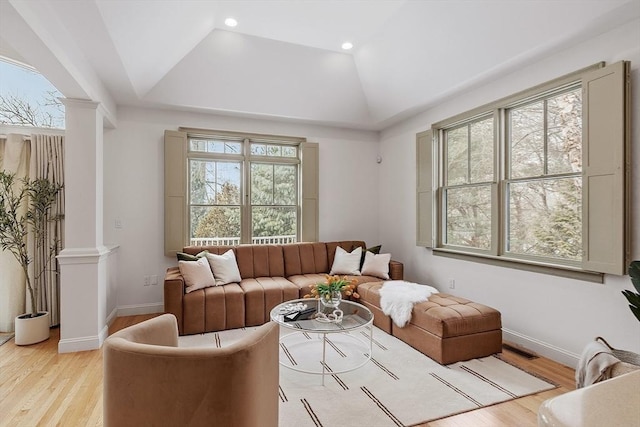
{"points": [[14, 158], [41, 156], [47, 153]]}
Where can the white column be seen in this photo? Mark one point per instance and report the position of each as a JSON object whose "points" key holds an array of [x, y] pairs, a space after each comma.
{"points": [[83, 260]]}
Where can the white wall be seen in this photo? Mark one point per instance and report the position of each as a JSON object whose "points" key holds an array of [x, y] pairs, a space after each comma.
{"points": [[134, 182], [551, 315]]}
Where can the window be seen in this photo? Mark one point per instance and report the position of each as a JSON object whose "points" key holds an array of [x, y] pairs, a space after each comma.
{"points": [[544, 184], [231, 188], [27, 98], [519, 180], [469, 177], [217, 169]]}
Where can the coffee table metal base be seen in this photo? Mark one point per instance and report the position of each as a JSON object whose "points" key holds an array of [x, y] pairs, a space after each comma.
{"points": [[323, 336]]}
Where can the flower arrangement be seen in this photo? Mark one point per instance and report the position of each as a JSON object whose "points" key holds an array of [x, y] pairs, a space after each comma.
{"points": [[334, 284]]}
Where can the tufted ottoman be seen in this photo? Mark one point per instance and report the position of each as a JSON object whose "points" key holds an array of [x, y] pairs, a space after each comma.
{"points": [[446, 328]]}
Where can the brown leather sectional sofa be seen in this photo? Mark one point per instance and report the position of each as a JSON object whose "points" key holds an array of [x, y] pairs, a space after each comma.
{"points": [[446, 328], [271, 274]]}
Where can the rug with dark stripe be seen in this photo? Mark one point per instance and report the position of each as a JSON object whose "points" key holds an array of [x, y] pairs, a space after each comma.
{"points": [[399, 386]]}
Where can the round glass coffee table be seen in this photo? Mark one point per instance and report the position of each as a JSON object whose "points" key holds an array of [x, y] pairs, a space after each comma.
{"points": [[343, 329]]}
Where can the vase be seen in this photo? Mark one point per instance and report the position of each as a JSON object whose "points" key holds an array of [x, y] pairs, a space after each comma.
{"points": [[332, 299], [30, 330]]}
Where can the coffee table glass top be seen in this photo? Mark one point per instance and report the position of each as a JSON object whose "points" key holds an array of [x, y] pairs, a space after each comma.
{"points": [[354, 316]]}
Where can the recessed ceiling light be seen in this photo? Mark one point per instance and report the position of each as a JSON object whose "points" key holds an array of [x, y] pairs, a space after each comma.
{"points": [[230, 22], [347, 45]]}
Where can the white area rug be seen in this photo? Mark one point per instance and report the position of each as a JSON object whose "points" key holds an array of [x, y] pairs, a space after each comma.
{"points": [[399, 386], [5, 336]]}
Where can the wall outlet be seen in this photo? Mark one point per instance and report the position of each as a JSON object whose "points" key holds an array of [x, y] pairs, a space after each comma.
{"points": [[452, 283], [118, 223], [147, 280], [154, 280]]}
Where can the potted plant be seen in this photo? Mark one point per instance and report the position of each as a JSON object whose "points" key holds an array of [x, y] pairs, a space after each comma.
{"points": [[634, 297], [24, 208], [330, 291]]}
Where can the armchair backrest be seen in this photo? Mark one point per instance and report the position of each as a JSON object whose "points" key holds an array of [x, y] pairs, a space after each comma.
{"points": [[148, 380]]}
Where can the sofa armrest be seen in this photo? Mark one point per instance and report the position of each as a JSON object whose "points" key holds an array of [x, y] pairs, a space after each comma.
{"points": [[174, 294], [396, 270]]}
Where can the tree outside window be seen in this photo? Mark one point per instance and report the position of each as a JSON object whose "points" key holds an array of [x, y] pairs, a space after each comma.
{"points": [[217, 208], [541, 192]]}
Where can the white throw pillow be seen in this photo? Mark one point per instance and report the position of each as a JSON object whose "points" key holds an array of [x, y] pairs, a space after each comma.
{"points": [[376, 265], [225, 268], [197, 274], [346, 262]]}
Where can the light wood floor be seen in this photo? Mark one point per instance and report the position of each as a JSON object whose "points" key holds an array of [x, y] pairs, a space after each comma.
{"points": [[39, 387]]}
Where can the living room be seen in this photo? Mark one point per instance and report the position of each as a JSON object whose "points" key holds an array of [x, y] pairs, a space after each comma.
{"points": [[360, 198]]}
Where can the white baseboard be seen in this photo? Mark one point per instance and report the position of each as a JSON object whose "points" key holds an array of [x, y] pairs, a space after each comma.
{"points": [[95, 342], [541, 348], [111, 317], [135, 309], [83, 343]]}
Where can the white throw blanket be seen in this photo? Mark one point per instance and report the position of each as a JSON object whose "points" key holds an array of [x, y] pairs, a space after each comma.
{"points": [[595, 364], [397, 298]]}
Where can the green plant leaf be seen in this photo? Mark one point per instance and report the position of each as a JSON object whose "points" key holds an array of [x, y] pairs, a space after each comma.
{"points": [[632, 297], [634, 272]]}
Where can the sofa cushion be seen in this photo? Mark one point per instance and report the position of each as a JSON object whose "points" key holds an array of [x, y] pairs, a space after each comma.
{"points": [[376, 265], [182, 256], [225, 268], [363, 279], [197, 274], [346, 262], [304, 282], [261, 294], [260, 261], [374, 250], [195, 250], [213, 309], [347, 245], [305, 258], [370, 292], [446, 316]]}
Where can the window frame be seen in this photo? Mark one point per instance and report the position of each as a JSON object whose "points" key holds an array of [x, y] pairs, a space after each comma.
{"points": [[246, 159], [431, 178], [442, 179], [508, 179], [272, 160], [177, 176]]}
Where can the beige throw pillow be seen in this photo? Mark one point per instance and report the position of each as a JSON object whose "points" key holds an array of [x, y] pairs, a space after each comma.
{"points": [[197, 274], [225, 268], [346, 262], [376, 265]]}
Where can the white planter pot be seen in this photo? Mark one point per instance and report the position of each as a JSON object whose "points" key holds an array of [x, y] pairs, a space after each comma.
{"points": [[31, 330]]}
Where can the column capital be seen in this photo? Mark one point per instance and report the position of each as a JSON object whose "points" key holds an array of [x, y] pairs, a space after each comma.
{"points": [[109, 117], [80, 103]]}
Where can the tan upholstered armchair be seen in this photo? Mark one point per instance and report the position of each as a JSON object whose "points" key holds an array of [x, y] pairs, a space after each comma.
{"points": [[148, 380]]}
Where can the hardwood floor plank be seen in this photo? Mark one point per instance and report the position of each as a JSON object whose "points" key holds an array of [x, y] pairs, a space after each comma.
{"points": [[40, 387]]}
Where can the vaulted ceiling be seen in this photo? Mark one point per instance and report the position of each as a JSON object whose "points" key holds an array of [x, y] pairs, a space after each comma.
{"points": [[284, 58]]}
